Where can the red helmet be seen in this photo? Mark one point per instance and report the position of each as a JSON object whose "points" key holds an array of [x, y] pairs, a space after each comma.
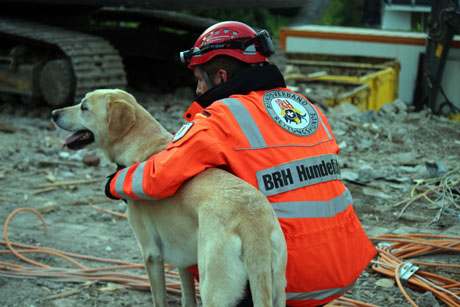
{"points": [[231, 38]]}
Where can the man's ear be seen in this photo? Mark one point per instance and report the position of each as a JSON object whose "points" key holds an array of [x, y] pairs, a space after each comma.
{"points": [[121, 118], [222, 76]]}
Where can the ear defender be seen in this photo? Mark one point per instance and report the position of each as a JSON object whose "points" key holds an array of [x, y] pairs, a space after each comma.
{"points": [[264, 43]]}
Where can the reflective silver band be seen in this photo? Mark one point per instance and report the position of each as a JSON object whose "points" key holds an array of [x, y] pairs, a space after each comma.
{"points": [[138, 187], [121, 182], [316, 295], [246, 122], [325, 128], [329, 135], [297, 174], [312, 209]]}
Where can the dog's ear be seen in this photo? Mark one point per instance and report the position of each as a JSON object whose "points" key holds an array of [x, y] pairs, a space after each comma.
{"points": [[121, 118]]}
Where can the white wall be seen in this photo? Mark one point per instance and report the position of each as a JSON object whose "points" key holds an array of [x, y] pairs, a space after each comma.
{"points": [[450, 80], [394, 20]]}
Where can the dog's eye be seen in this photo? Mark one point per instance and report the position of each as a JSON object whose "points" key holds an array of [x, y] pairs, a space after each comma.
{"points": [[84, 107]]}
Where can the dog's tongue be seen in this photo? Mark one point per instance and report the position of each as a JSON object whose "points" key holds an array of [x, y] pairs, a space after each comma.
{"points": [[79, 139]]}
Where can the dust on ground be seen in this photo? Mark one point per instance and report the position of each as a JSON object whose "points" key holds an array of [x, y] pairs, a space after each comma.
{"points": [[382, 154]]}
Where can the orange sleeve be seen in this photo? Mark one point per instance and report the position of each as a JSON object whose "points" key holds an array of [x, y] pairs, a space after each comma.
{"points": [[200, 148]]}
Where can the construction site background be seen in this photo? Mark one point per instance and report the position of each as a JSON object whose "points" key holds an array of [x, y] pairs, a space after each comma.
{"points": [[401, 165]]}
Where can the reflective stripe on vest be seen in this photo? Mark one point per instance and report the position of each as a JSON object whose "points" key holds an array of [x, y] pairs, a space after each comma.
{"points": [[251, 130], [316, 295], [313, 209], [246, 123], [138, 178], [120, 183], [297, 174], [329, 136]]}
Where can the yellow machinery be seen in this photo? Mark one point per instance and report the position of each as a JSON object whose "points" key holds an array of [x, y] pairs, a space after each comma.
{"points": [[372, 82]]}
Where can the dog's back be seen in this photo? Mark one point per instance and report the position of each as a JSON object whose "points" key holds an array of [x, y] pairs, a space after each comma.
{"points": [[239, 239]]}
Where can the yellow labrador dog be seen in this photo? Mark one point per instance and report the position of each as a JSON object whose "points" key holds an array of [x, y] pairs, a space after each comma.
{"points": [[215, 220]]}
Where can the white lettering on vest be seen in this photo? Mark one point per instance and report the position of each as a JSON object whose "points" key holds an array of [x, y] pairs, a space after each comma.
{"points": [[298, 174]]}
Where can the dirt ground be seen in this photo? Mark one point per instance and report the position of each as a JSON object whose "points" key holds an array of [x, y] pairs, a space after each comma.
{"points": [[382, 154]]}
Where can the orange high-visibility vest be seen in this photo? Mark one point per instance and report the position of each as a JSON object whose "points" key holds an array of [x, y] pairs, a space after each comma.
{"points": [[280, 143]]}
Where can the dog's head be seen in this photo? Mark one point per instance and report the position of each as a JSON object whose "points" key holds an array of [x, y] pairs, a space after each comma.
{"points": [[102, 117]]}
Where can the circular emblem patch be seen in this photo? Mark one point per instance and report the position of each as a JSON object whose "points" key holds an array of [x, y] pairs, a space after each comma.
{"points": [[292, 112]]}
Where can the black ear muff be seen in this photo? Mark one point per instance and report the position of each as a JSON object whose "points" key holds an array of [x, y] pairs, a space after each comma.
{"points": [[264, 43]]}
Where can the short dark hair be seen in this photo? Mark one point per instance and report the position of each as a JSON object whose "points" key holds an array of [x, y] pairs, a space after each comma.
{"points": [[229, 64]]}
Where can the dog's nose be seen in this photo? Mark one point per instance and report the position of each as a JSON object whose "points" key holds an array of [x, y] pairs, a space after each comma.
{"points": [[54, 115]]}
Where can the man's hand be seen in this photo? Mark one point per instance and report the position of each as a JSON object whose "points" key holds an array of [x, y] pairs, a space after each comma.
{"points": [[109, 181]]}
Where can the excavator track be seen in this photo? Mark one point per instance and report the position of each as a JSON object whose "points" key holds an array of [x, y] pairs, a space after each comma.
{"points": [[95, 63]]}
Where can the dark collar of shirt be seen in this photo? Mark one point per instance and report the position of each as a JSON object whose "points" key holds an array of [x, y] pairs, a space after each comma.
{"points": [[254, 78]]}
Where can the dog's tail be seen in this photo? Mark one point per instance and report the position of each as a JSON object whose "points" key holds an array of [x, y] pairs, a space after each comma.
{"points": [[264, 256]]}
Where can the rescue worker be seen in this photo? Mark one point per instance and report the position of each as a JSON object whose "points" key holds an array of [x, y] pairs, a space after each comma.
{"points": [[247, 122]]}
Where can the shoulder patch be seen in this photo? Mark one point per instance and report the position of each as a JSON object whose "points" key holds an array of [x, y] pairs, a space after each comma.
{"points": [[292, 112], [182, 131]]}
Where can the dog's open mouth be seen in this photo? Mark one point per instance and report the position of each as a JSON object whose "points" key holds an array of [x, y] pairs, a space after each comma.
{"points": [[79, 139]]}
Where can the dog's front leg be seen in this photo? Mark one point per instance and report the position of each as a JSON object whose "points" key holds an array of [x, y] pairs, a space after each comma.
{"points": [[188, 288], [155, 269]]}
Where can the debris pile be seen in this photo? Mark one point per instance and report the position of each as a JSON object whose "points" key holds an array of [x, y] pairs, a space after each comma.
{"points": [[401, 160]]}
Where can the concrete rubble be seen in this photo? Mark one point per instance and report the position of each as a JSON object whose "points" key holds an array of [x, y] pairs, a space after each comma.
{"points": [[388, 151]]}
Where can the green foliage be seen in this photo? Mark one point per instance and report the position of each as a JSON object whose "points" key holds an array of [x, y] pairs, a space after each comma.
{"points": [[275, 22], [343, 13]]}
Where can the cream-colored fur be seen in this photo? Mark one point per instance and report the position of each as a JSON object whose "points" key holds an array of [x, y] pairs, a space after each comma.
{"points": [[215, 220]]}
